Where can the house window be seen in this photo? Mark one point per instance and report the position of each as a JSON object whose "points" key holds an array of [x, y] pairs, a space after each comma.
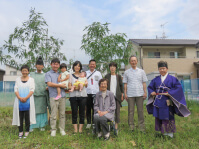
{"points": [[154, 54], [183, 77], [173, 54], [13, 73], [197, 54]]}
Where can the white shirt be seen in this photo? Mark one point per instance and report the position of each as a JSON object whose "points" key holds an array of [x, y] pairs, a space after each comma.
{"points": [[134, 79], [93, 86], [164, 77], [113, 84]]}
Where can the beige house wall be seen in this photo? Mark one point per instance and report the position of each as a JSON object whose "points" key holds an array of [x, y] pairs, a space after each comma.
{"points": [[8, 77], [191, 52], [183, 66]]}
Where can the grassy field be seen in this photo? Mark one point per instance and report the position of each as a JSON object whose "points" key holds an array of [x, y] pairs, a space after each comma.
{"points": [[187, 136]]}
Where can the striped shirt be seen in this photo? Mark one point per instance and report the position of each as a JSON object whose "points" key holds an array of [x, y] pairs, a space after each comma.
{"points": [[134, 79]]}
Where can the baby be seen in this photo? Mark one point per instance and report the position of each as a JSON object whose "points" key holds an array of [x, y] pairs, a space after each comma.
{"points": [[63, 79], [80, 83]]}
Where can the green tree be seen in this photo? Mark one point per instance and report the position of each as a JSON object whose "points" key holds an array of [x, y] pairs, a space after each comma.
{"points": [[105, 47], [30, 41]]}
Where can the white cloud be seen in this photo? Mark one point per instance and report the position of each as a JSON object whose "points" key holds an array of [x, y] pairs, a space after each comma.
{"points": [[146, 16], [190, 17]]}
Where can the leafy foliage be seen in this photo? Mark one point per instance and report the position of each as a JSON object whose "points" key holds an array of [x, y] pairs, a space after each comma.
{"points": [[30, 41], [105, 48]]}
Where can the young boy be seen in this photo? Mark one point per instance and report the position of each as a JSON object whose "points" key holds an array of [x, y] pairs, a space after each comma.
{"points": [[166, 98], [51, 78], [63, 79], [80, 83]]}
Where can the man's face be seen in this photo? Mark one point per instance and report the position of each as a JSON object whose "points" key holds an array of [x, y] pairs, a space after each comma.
{"points": [[103, 86], [92, 65], [55, 66], [39, 67], [133, 61], [112, 69], [163, 70]]}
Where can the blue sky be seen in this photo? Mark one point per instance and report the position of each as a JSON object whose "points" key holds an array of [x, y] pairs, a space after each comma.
{"points": [[138, 19]]}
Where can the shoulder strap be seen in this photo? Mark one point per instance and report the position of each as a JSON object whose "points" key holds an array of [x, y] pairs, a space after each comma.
{"points": [[91, 74], [74, 76]]}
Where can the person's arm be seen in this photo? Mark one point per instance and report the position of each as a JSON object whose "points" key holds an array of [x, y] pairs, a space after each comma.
{"points": [[144, 80], [96, 105], [59, 78], [144, 88], [86, 83], [121, 88], [67, 77], [125, 91], [56, 85], [17, 94], [28, 96]]}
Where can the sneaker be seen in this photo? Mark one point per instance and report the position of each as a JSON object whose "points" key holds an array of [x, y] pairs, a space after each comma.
{"points": [[99, 135], [26, 135], [107, 136], [20, 135], [63, 133], [56, 98], [53, 133], [42, 129], [88, 126]]}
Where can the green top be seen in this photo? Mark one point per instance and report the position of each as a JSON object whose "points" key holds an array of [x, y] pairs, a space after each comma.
{"points": [[40, 93], [40, 85]]}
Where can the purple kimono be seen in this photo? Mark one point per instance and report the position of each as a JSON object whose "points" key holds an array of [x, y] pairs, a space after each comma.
{"points": [[157, 105]]}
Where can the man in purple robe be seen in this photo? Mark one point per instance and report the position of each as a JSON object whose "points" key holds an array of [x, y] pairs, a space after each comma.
{"points": [[166, 98]]}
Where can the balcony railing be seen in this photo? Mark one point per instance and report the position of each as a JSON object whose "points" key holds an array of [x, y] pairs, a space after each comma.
{"points": [[164, 57]]}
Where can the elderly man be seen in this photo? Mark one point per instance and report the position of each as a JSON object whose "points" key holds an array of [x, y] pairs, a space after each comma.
{"points": [[135, 92], [104, 109]]}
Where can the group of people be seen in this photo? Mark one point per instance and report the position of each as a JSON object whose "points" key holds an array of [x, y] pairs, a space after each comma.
{"points": [[101, 98]]}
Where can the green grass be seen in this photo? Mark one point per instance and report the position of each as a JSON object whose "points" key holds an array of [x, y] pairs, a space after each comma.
{"points": [[186, 137]]}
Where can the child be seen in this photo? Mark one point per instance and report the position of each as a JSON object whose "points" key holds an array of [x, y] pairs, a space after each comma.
{"points": [[63, 79], [80, 83], [24, 102]]}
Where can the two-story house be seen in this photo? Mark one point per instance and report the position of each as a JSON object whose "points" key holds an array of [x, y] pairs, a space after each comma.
{"points": [[9, 78], [182, 56]]}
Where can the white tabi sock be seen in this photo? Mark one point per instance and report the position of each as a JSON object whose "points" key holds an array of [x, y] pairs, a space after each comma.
{"points": [[165, 134], [170, 134], [107, 135]]}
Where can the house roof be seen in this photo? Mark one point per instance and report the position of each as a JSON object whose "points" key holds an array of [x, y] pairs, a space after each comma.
{"points": [[165, 42], [2, 70]]}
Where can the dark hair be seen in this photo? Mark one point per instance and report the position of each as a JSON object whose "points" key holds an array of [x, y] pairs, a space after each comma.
{"points": [[63, 65], [40, 61], [76, 63], [24, 67], [102, 80], [55, 60], [113, 64], [92, 60], [162, 64], [132, 56]]}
